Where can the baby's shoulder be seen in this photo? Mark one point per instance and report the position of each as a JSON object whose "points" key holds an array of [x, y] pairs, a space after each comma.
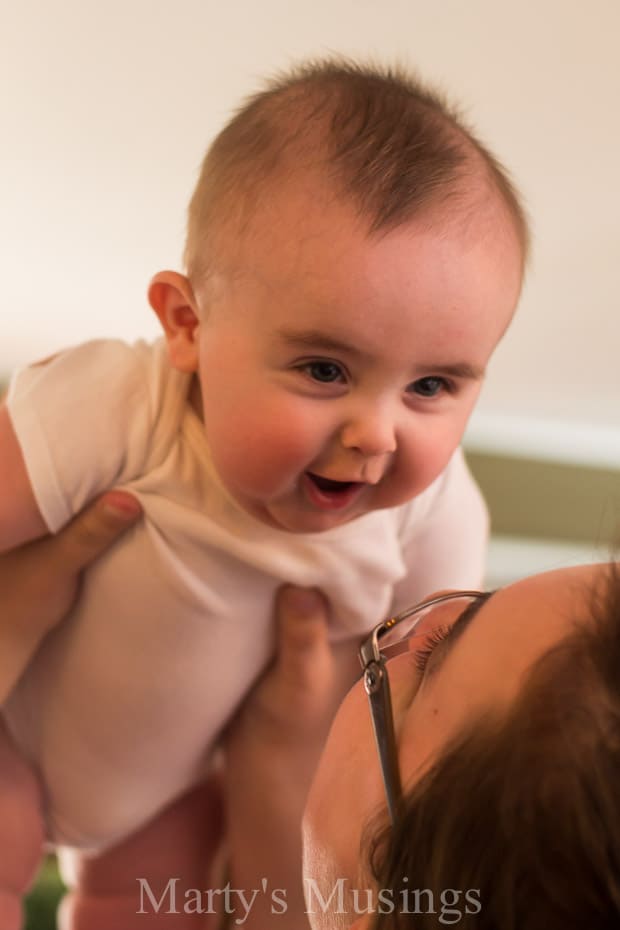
{"points": [[93, 415], [110, 378], [139, 398]]}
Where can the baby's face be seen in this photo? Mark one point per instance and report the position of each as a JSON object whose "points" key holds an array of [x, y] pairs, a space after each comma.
{"points": [[338, 371]]}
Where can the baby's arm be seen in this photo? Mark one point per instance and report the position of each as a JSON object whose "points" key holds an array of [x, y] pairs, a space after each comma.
{"points": [[272, 751], [20, 517]]}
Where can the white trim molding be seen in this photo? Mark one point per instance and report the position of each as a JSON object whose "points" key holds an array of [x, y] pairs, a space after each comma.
{"points": [[549, 440]]}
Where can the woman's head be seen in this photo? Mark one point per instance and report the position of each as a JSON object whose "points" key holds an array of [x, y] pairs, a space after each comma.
{"points": [[509, 750]]}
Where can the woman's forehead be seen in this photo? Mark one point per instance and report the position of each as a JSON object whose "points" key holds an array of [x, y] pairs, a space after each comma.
{"points": [[488, 665], [519, 622]]}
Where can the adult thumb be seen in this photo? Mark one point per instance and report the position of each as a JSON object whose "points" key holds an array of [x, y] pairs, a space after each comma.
{"points": [[303, 650], [93, 530]]}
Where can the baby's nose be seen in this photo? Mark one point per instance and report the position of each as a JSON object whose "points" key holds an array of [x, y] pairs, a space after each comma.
{"points": [[371, 434]]}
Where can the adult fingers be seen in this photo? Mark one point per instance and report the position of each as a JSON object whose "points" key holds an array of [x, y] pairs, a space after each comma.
{"points": [[304, 655], [93, 531]]}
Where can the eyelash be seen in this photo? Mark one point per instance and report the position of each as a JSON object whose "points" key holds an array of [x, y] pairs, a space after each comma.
{"points": [[444, 386], [307, 367], [422, 656]]}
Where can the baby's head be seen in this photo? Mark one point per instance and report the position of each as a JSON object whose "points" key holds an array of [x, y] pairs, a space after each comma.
{"points": [[353, 257]]}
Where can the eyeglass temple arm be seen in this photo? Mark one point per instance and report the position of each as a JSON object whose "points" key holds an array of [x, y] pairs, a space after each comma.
{"points": [[378, 690]]}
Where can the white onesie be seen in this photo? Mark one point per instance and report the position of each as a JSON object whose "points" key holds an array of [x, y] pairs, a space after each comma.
{"points": [[121, 704]]}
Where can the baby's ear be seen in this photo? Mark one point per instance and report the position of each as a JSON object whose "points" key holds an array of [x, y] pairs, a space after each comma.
{"points": [[172, 299]]}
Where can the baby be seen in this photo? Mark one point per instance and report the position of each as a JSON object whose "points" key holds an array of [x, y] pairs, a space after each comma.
{"points": [[354, 254]]}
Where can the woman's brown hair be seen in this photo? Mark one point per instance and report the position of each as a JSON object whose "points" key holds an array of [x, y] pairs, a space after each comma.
{"points": [[517, 825]]}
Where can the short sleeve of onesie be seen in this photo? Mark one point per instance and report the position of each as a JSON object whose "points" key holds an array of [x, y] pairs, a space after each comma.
{"points": [[82, 419], [444, 536]]}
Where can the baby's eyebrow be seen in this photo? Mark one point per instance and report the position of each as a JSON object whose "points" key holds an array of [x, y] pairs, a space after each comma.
{"points": [[457, 370], [320, 341], [443, 649], [315, 339]]}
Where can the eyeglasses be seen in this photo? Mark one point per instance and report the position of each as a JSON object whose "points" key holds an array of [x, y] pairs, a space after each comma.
{"points": [[383, 642]]}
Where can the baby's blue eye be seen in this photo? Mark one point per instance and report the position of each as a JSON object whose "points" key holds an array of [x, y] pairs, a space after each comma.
{"points": [[428, 387], [325, 372]]}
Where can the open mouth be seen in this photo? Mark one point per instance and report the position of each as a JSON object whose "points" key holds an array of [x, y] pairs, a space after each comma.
{"points": [[329, 494], [329, 486]]}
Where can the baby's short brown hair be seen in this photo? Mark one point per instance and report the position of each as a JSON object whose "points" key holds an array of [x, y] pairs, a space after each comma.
{"points": [[386, 143]]}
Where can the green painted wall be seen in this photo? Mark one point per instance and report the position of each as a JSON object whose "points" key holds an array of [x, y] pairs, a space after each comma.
{"points": [[548, 500]]}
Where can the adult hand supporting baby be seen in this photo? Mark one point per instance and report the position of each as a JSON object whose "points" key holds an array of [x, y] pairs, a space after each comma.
{"points": [[272, 749], [39, 581]]}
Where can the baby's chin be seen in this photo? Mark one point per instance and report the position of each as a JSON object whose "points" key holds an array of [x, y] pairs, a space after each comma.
{"points": [[301, 523]]}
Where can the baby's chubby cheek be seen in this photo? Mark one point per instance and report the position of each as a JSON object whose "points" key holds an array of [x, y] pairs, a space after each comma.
{"points": [[257, 459], [417, 464]]}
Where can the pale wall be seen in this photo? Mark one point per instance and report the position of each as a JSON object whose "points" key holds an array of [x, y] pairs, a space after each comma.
{"points": [[106, 109]]}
